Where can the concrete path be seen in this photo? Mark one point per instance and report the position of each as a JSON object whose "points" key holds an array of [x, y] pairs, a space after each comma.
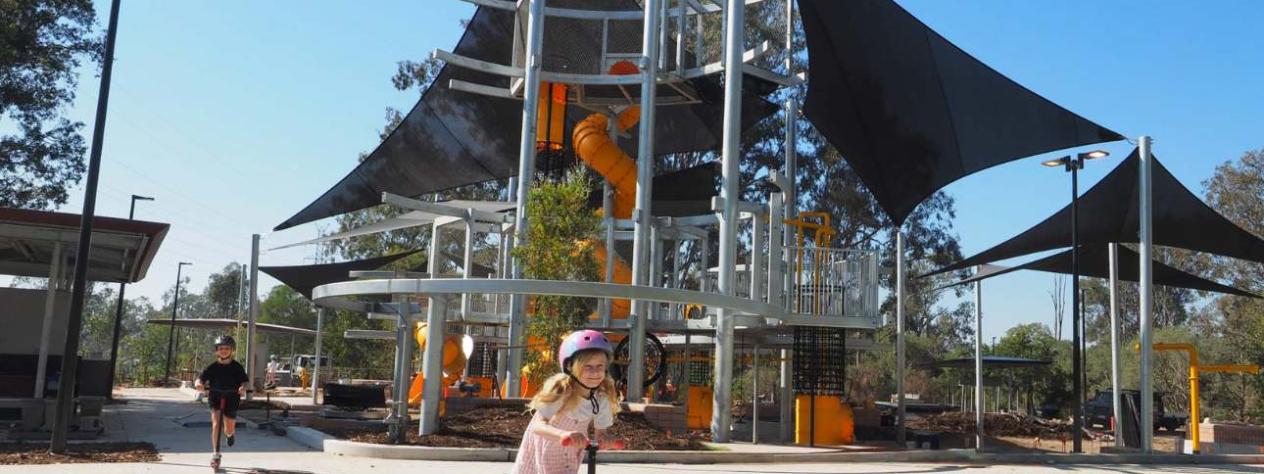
{"points": [[155, 415]]}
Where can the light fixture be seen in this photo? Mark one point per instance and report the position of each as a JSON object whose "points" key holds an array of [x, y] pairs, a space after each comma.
{"points": [[1095, 154], [1055, 163]]}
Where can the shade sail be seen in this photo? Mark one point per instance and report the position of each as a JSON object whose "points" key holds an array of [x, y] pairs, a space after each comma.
{"points": [[406, 220], [222, 323], [1109, 213], [1095, 262], [452, 138], [303, 278], [911, 112]]}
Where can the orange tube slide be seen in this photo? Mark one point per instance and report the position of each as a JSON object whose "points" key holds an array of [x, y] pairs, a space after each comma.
{"points": [[592, 144]]}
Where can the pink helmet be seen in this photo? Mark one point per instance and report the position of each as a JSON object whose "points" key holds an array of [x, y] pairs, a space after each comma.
{"points": [[582, 340]]}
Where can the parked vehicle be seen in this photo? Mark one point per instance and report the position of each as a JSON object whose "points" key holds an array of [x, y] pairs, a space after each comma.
{"points": [[1098, 410]]}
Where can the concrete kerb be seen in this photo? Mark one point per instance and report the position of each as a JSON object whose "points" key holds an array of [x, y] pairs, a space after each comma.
{"points": [[966, 456]]}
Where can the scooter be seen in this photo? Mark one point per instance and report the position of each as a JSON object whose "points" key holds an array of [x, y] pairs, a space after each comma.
{"points": [[218, 427]]}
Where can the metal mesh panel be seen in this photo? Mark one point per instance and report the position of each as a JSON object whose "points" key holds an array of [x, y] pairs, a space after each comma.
{"points": [[483, 360], [820, 362], [700, 370]]}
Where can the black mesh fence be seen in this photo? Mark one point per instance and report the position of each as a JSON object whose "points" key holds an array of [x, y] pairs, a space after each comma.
{"points": [[820, 365]]}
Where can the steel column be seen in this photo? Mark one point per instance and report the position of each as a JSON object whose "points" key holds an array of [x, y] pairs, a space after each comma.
{"points": [[526, 174], [755, 396], [978, 360], [50, 306], [734, 21], [607, 206], [644, 181], [320, 326], [899, 338], [252, 316], [1113, 250], [1147, 296], [432, 365]]}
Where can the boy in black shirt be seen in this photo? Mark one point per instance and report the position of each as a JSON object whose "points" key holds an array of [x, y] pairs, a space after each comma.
{"points": [[225, 380]]}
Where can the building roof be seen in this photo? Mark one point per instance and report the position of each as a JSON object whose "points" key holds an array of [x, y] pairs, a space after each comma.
{"points": [[121, 252]]}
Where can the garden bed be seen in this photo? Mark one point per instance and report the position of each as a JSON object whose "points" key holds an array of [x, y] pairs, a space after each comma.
{"points": [[37, 453], [498, 427]]}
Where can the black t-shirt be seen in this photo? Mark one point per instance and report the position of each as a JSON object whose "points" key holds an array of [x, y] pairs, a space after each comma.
{"points": [[224, 376]]}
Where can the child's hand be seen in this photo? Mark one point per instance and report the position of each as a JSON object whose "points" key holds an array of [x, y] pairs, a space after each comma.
{"points": [[574, 438]]}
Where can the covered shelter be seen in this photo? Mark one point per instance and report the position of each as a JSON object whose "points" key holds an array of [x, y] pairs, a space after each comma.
{"points": [[41, 244], [998, 362]]}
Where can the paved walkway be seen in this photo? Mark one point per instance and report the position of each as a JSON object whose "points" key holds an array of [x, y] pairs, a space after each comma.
{"points": [[156, 415]]}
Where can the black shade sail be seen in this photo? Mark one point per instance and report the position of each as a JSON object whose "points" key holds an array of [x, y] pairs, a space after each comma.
{"points": [[303, 278], [911, 112], [1095, 262], [1109, 213], [452, 138]]}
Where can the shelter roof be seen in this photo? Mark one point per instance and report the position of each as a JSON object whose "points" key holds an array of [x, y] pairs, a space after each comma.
{"points": [[989, 361], [224, 323], [911, 112], [122, 249]]}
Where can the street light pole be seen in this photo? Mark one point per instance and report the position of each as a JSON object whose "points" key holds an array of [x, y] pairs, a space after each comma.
{"points": [[171, 334], [1074, 164], [118, 311]]}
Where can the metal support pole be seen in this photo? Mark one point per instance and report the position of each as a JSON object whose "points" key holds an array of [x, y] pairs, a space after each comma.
{"points": [[1077, 435], [118, 311], [755, 396], [1147, 297], [644, 181], [526, 174], [607, 206], [467, 262], [50, 307], [403, 362], [320, 326], [252, 316], [171, 333], [775, 274], [787, 398], [899, 338], [1113, 250], [432, 365], [74, 321], [734, 20], [755, 266], [789, 38], [978, 359]]}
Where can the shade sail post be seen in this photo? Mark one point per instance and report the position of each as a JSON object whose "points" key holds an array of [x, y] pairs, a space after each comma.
{"points": [[432, 365], [320, 324], [46, 330], [526, 175], [734, 34], [1113, 251], [978, 361], [1147, 294], [641, 243], [899, 338], [251, 316]]}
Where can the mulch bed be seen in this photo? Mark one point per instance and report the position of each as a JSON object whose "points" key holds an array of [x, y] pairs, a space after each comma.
{"points": [[503, 428], [995, 424], [37, 453]]}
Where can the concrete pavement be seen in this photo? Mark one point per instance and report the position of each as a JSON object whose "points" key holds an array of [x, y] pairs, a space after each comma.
{"points": [[156, 415]]}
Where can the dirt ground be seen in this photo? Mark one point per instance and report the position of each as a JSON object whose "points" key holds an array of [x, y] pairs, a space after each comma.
{"points": [[503, 427], [37, 453]]}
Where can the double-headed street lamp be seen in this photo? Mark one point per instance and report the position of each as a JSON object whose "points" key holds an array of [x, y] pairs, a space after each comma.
{"points": [[118, 311], [171, 335], [1073, 165]]}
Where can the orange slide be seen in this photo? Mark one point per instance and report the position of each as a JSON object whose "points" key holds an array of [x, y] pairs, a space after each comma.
{"points": [[453, 363]]}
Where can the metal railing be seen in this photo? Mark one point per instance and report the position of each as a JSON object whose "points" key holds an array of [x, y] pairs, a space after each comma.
{"points": [[831, 281]]}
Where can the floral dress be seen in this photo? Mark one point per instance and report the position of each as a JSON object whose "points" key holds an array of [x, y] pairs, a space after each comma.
{"points": [[539, 454]]}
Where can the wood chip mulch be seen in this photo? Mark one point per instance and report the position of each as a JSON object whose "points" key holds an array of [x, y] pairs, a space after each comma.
{"points": [[37, 453], [503, 428], [996, 424]]}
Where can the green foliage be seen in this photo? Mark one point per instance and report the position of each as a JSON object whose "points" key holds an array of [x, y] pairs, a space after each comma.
{"points": [[556, 248], [42, 44]]}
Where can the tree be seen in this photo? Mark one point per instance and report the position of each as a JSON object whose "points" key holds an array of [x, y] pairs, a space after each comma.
{"points": [[226, 291], [287, 307], [1042, 384], [558, 246], [42, 44]]}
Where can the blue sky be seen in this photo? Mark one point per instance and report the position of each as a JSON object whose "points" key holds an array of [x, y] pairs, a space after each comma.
{"points": [[236, 114]]}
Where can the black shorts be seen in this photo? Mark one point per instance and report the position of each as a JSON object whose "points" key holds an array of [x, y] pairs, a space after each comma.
{"points": [[231, 401]]}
